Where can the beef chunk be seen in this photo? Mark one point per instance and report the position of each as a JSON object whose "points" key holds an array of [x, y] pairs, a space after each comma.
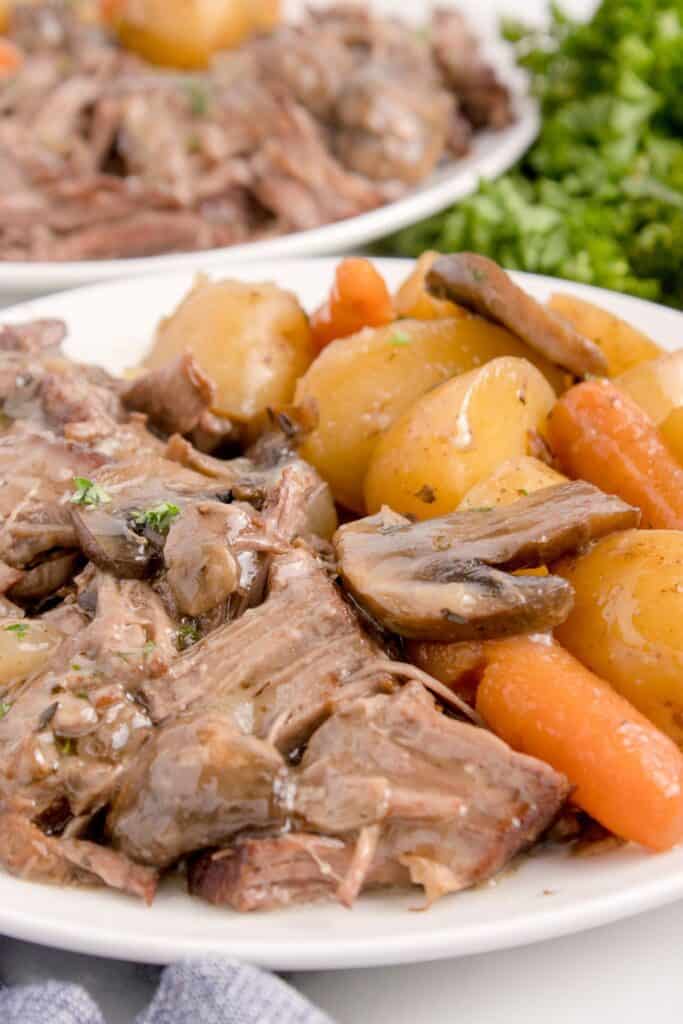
{"points": [[280, 668], [391, 791], [173, 397], [197, 783], [28, 853]]}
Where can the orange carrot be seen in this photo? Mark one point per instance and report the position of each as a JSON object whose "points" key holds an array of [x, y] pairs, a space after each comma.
{"points": [[359, 298], [628, 775], [601, 435], [11, 58]]}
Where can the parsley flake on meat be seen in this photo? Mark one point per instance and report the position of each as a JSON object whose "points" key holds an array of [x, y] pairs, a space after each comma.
{"points": [[88, 493], [158, 517], [20, 628]]}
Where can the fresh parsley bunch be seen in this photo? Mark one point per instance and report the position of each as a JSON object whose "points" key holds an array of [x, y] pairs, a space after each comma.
{"points": [[599, 197]]}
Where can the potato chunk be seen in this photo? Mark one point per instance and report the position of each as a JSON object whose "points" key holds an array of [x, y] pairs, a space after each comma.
{"points": [[185, 33], [512, 480], [413, 300], [657, 386], [253, 340], [623, 345], [456, 436], [626, 621], [362, 384], [25, 648]]}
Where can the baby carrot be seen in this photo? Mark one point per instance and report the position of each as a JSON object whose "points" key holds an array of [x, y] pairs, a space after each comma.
{"points": [[627, 774], [601, 435], [359, 298]]}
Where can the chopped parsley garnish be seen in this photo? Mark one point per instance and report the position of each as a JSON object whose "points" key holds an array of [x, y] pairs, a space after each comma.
{"points": [[20, 628], [187, 635], [88, 493], [198, 98], [522, 491], [400, 338], [65, 746], [158, 517], [148, 648], [4, 708], [478, 274]]}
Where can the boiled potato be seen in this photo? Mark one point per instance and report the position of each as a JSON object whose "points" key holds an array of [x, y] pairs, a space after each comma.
{"points": [[623, 345], [512, 480], [361, 384], [414, 301], [656, 386], [25, 648], [456, 435], [626, 622], [185, 33], [252, 339], [671, 430]]}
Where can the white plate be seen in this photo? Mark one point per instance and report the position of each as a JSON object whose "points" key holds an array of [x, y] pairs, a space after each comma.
{"points": [[492, 153], [546, 896]]}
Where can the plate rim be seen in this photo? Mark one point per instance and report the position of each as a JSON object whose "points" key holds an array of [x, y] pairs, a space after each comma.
{"points": [[662, 885]]}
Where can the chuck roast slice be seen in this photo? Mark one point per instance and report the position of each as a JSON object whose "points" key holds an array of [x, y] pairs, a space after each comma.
{"points": [[279, 670], [28, 853], [481, 285], [197, 782], [436, 579], [396, 793]]}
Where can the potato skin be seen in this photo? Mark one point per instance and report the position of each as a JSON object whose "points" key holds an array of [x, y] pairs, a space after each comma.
{"points": [[252, 339], [623, 345], [510, 481], [362, 384], [456, 435], [626, 621]]}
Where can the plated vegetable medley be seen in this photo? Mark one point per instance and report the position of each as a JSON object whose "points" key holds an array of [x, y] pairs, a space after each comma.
{"points": [[381, 594]]}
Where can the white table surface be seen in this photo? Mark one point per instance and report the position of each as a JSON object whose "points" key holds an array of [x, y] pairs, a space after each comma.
{"points": [[626, 972]]}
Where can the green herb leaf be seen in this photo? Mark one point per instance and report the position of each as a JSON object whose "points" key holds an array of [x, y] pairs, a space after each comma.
{"points": [[4, 708], [599, 197], [198, 98], [158, 517], [148, 648], [400, 338], [88, 493], [20, 628], [186, 635], [65, 746]]}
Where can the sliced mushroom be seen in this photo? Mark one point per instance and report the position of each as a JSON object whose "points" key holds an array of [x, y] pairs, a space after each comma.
{"points": [[481, 285], [106, 538], [56, 570], [441, 579]]}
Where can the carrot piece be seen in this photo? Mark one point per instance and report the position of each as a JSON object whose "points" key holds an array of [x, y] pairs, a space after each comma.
{"points": [[359, 298], [11, 58], [601, 435], [628, 775]]}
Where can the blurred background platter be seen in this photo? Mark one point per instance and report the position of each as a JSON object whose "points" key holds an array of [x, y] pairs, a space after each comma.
{"points": [[491, 154]]}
